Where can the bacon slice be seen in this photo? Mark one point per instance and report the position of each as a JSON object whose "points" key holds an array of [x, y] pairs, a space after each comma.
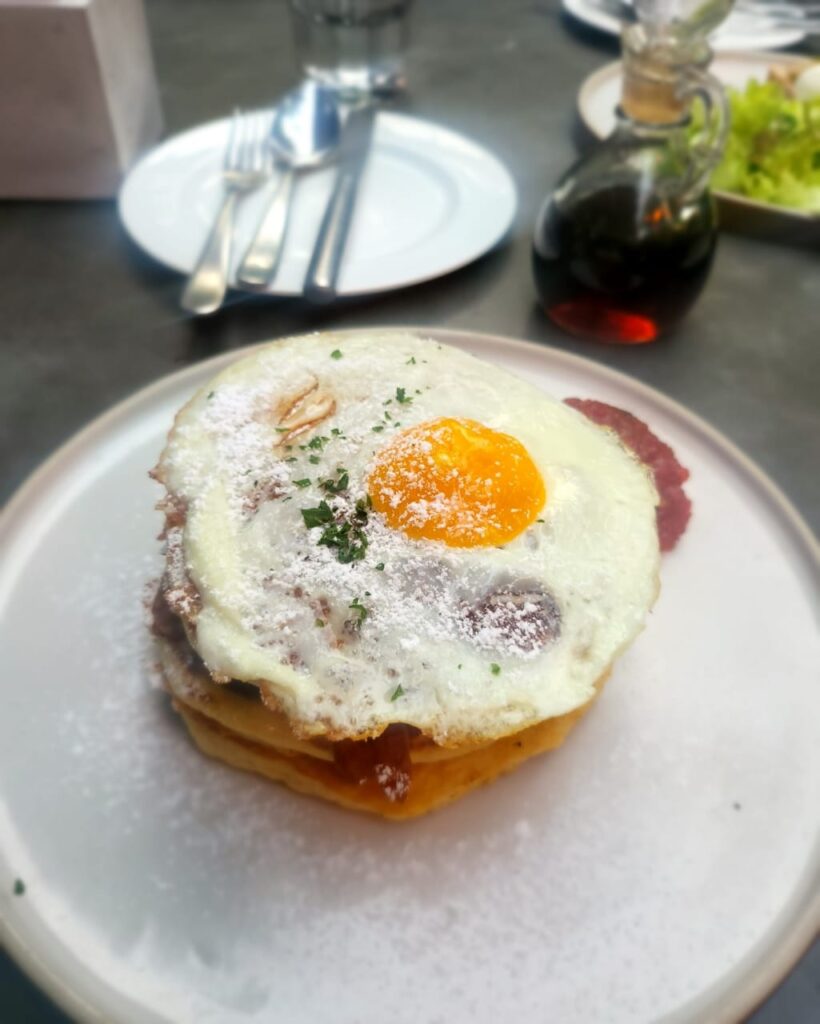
{"points": [[383, 762], [675, 508]]}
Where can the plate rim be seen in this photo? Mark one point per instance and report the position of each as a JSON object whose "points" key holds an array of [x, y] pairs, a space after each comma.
{"points": [[766, 964], [603, 21], [389, 116], [595, 79]]}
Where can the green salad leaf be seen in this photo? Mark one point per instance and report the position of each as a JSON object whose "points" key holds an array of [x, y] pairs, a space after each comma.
{"points": [[773, 150]]}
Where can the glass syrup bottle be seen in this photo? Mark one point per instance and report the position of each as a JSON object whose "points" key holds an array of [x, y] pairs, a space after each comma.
{"points": [[624, 244]]}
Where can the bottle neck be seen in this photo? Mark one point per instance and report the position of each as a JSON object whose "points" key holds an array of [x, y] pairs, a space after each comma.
{"points": [[655, 70], [627, 125], [665, 69]]}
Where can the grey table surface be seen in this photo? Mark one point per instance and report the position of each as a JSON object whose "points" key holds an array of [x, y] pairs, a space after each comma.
{"points": [[86, 319]]}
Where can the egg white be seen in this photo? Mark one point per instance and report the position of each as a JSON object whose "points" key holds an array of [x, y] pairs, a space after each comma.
{"points": [[276, 605]]}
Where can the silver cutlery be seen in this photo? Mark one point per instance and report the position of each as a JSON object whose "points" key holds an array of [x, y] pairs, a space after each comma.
{"points": [[325, 263], [246, 165], [304, 134]]}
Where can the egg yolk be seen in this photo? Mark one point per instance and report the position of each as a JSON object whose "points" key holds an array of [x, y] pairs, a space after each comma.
{"points": [[456, 481]]}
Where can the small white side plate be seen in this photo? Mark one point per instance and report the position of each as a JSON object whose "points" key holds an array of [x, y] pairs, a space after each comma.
{"points": [[663, 865], [738, 32], [430, 201]]}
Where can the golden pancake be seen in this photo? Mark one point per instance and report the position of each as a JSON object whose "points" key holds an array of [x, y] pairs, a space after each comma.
{"points": [[239, 730]]}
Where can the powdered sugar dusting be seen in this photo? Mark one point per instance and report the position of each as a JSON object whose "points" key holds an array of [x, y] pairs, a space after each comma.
{"points": [[178, 590], [209, 855], [307, 585]]}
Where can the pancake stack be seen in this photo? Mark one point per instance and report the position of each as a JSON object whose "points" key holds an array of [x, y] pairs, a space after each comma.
{"points": [[392, 571]]}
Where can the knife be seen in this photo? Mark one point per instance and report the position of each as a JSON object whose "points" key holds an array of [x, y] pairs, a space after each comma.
{"points": [[325, 263]]}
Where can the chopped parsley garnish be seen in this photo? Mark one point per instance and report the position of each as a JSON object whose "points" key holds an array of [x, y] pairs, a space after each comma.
{"points": [[209, 396], [304, 482], [316, 443], [349, 541], [336, 354], [336, 432], [387, 415], [411, 361], [398, 692], [319, 623], [19, 884], [338, 485], [283, 430], [540, 520], [495, 669], [379, 567], [317, 516], [459, 666], [359, 609], [343, 530], [290, 458], [378, 428], [314, 459], [401, 396]]}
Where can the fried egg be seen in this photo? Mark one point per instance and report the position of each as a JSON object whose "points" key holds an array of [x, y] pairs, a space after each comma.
{"points": [[381, 528]]}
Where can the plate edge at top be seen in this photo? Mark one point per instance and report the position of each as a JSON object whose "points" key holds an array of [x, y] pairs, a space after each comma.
{"points": [[610, 24], [167, 382]]}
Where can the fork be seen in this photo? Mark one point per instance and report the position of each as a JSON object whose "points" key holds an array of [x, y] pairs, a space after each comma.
{"points": [[246, 165]]}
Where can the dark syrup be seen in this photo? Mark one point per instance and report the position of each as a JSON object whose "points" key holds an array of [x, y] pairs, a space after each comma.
{"points": [[615, 267]]}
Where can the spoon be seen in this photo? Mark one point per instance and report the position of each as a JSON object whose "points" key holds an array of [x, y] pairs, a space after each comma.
{"points": [[304, 134]]}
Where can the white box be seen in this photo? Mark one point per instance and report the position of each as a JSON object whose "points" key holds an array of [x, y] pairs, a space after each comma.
{"points": [[78, 96]]}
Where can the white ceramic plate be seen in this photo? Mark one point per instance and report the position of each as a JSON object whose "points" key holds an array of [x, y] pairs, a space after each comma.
{"points": [[738, 32], [664, 864], [601, 92], [430, 201]]}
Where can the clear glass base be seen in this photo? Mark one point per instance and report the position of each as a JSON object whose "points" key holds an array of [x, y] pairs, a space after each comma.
{"points": [[357, 50]]}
